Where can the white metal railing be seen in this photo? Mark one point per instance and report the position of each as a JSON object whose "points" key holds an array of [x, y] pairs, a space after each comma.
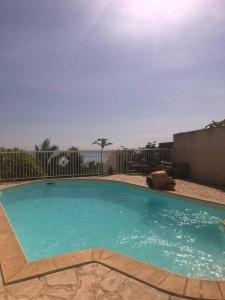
{"points": [[26, 165]]}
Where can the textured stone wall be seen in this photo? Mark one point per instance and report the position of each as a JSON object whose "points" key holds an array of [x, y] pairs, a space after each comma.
{"points": [[204, 151]]}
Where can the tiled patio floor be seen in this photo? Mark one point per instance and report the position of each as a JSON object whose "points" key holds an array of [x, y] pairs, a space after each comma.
{"points": [[89, 282], [183, 187]]}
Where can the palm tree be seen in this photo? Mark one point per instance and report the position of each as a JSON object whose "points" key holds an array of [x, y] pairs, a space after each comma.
{"points": [[102, 142], [45, 158], [46, 146]]}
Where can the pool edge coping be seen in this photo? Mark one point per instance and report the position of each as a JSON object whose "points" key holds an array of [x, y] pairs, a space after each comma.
{"points": [[16, 268]]}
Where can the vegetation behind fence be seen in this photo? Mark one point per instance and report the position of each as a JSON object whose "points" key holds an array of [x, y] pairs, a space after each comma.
{"points": [[25, 165]]}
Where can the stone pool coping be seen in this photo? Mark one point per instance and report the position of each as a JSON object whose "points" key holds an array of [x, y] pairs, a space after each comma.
{"points": [[15, 267]]}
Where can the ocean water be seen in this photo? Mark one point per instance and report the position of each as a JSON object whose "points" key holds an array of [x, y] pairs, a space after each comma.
{"points": [[173, 233]]}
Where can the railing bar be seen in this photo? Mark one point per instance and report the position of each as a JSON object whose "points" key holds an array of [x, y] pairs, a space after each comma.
{"points": [[17, 165]]}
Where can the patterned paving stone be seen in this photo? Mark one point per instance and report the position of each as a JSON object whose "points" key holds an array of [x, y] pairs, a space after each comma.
{"points": [[88, 282], [137, 290], [69, 278], [112, 282], [27, 289]]}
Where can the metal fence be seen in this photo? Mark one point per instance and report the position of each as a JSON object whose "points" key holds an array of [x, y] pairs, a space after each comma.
{"points": [[26, 165]]}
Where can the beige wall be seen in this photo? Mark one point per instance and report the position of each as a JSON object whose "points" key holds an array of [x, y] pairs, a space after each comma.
{"points": [[204, 151]]}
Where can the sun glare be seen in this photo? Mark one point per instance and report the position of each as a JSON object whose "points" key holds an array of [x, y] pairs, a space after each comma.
{"points": [[149, 15]]}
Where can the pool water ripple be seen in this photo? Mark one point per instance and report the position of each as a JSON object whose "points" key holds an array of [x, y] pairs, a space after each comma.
{"points": [[173, 233]]}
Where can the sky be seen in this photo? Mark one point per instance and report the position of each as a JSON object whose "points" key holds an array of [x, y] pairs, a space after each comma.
{"points": [[127, 70]]}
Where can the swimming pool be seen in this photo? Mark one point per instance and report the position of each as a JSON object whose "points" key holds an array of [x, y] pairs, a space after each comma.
{"points": [[173, 233]]}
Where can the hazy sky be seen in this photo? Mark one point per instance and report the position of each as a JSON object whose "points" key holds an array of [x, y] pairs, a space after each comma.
{"points": [[132, 71]]}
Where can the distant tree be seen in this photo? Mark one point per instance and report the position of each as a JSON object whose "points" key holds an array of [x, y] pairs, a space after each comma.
{"points": [[46, 146], [68, 162], [73, 148], [15, 163], [215, 124], [102, 142], [123, 147], [150, 145], [75, 160], [44, 155]]}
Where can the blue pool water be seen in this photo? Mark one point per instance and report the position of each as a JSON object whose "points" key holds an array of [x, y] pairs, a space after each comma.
{"points": [[175, 234]]}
